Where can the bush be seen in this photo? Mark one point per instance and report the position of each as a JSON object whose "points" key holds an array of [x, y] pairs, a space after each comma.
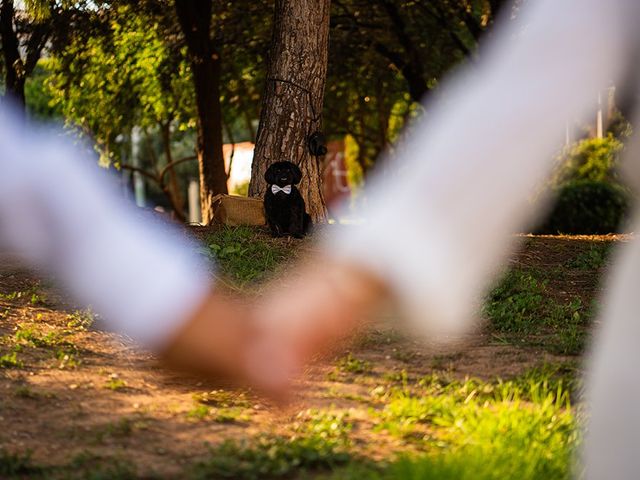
{"points": [[594, 159], [588, 207]]}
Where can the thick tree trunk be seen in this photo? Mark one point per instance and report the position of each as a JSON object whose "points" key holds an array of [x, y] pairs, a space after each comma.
{"points": [[195, 21], [292, 102], [14, 77]]}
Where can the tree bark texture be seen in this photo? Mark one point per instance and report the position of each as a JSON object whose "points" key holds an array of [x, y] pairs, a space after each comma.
{"points": [[195, 21], [294, 92], [14, 69], [20, 60]]}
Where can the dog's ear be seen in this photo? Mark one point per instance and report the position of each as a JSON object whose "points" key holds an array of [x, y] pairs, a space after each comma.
{"points": [[297, 174], [270, 174]]}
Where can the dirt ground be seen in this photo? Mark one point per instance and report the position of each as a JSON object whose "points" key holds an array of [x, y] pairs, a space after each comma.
{"points": [[89, 393]]}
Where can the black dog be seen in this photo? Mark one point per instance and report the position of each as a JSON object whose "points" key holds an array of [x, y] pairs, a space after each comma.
{"points": [[283, 204]]}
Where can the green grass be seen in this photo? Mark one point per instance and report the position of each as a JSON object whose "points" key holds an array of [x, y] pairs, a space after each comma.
{"points": [[32, 295], [115, 383], [351, 364], [320, 442], [522, 428], [521, 307], [244, 254], [594, 258], [10, 360], [16, 465], [81, 319], [269, 457], [89, 466]]}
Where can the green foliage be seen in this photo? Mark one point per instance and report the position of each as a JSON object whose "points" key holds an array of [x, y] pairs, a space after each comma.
{"points": [[270, 457], [199, 412], [81, 319], [106, 84], [241, 189], [245, 254], [592, 159], [16, 465], [588, 207], [350, 364], [115, 383], [88, 466], [10, 360], [222, 398], [221, 405], [474, 429], [514, 305], [520, 306], [39, 99], [590, 199], [594, 258]]}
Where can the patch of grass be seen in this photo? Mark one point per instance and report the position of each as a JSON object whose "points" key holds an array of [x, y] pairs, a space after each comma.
{"points": [[120, 429], [521, 307], [334, 425], [115, 383], [88, 466], [28, 335], [221, 406], [81, 319], [199, 412], [222, 398], [10, 360], [16, 465], [404, 356], [67, 358], [245, 254], [230, 415], [31, 294], [350, 364], [270, 457], [483, 430], [320, 442], [24, 391], [401, 377], [514, 305], [592, 259]]}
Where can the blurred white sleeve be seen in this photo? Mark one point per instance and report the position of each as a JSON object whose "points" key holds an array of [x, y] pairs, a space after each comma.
{"points": [[62, 215], [439, 228]]}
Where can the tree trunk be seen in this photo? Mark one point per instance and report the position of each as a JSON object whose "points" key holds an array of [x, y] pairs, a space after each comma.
{"points": [[14, 68], [195, 21], [177, 198], [292, 102]]}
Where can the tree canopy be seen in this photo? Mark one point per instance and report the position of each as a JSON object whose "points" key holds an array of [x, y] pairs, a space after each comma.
{"points": [[110, 66]]}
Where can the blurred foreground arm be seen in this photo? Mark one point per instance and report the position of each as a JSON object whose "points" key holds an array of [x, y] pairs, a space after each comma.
{"points": [[440, 227], [142, 276]]}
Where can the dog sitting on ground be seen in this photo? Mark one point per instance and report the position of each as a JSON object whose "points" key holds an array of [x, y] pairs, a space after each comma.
{"points": [[283, 205]]}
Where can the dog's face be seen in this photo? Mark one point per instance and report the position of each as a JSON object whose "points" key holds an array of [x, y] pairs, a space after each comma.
{"points": [[283, 173]]}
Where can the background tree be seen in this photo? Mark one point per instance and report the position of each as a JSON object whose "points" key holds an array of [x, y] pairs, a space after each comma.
{"points": [[195, 20], [24, 34], [293, 98], [151, 91], [386, 55]]}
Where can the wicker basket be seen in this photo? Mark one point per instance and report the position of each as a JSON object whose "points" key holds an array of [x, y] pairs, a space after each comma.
{"points": [[236, 210]]}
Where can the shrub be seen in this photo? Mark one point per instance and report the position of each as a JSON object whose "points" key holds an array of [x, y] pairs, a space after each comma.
{"points": [[594, 159], [588, 207]]}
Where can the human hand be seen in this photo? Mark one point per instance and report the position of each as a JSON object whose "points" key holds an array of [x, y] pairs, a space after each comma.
{"points": [[323, 301], [265, 344]]}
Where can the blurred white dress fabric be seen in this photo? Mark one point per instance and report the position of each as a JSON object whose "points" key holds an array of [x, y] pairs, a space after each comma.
{"points": [[60, 214], [440, 228]]}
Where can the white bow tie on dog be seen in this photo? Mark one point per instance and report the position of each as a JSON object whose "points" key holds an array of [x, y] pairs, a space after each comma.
{"points": [[286, 189]]}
